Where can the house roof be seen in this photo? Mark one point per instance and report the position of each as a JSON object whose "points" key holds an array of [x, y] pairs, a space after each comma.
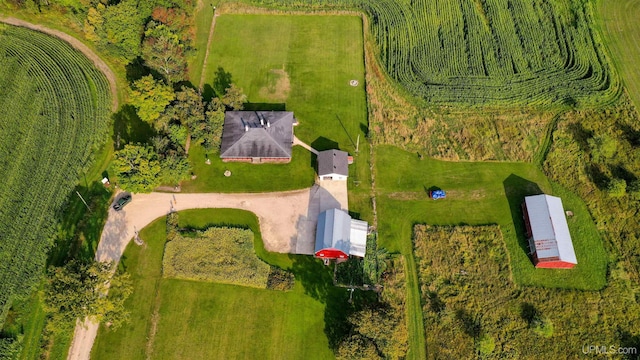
{"points": [[333, 162], [549, 228], [264, 134], [336, 230]]}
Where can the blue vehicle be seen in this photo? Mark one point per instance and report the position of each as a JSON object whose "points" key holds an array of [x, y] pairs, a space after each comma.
{"points": [[437, 194]]}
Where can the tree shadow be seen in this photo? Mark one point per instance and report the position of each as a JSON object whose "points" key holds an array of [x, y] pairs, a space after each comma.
{"points": [[129, 128], [322, 143], [79, 228], [470, 323], [529, 313], [580, 135], [265, 106], [136, 69], [630, 134], [620, 172], [515, 189], [597, 176], [208, 93], [221, 81]]}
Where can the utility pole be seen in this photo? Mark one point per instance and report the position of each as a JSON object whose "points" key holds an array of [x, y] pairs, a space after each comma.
{"points": [[85, 203]]}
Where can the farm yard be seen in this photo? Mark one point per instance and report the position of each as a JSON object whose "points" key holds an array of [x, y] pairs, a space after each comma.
{"points": [[518, 97], [294, 63], [210, 319], [55, 113]]}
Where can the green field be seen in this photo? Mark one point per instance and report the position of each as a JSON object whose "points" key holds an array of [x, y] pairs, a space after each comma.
{"points": [[200, 320], [55, 115], [622, 37], [298, 63], [496, 52], [470, 302], [478, 194]]}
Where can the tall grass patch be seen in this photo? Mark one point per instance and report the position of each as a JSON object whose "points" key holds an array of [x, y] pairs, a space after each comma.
{"points": [[472, 308], [218, 254]]}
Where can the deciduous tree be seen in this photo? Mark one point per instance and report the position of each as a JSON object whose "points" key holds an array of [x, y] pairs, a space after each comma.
{"points": [[150, 97], [78, 290], [137, 168], [163, 52]]}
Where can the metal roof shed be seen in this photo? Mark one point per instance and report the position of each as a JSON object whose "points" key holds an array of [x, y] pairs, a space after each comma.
{"points": [[548, 232], [338, 236]]}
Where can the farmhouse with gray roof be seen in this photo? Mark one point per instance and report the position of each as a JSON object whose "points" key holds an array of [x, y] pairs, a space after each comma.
{"points": [[257, 136], [333, 165]]}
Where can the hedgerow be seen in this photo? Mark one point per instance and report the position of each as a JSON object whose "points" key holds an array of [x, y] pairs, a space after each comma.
{"points": [[55, 111]]}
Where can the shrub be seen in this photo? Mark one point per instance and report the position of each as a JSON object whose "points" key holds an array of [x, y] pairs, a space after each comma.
{"points": [[617, 188], [280, 279]]}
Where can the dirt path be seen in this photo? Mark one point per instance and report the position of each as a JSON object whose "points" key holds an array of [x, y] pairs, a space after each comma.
{"points": [[206, 54], [78, 45], [287, 223]]}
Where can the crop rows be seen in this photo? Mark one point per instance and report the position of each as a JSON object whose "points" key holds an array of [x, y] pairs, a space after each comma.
{"points": [[534, 52], [55, 111]]}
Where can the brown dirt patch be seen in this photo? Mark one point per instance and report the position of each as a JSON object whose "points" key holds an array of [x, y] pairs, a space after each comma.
{"points": [[278, 86]]}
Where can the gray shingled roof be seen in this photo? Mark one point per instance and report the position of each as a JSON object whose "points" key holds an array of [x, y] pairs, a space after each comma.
{"points": [[245, 136], [333, 162]]}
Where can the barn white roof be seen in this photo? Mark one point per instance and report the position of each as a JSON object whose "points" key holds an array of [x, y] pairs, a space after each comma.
{"points": [[549, 228]]}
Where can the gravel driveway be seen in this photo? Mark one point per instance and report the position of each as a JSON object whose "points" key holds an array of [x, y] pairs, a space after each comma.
{"points": [[287, 223]]}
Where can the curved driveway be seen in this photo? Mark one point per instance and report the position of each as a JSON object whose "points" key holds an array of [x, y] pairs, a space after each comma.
{"points": [[287, 223]]}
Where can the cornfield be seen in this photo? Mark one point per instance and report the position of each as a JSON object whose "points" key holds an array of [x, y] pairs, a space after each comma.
{"points": [[54, 113]]}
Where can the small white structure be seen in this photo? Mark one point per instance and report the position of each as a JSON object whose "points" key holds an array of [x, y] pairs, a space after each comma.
{"points": [[333, 165]]}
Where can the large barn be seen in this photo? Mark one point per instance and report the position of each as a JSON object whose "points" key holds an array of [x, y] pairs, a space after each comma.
{"points": [[333, 165], [338, 236], [548, 232], [257, 136]]}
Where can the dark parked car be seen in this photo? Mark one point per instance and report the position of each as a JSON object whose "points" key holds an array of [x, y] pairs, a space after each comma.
{"points": [[122, 201]]}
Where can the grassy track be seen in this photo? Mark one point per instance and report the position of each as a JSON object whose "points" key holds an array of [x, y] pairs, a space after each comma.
{"points": [[55, 113], [198, 320], [203, 18], [622, 34], [298, 63]]}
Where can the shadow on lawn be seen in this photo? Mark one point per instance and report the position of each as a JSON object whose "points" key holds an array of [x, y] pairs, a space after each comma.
{"points": [[128, 128], [515, 189], [317, 281]]}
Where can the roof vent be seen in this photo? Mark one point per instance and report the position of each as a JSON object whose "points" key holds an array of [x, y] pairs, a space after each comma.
{"points": [[261, 121], [268, 123], [246, 128]]}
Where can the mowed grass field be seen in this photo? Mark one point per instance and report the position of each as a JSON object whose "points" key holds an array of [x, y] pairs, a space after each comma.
{"points": [[479, 194], [294, 63], [620, 26], [179, 319]]}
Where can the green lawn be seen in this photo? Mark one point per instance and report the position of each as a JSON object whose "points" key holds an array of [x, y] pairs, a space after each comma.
{"points": [[297, 174], [477, 194], [199, 320], [298, 63], [618, 20]]}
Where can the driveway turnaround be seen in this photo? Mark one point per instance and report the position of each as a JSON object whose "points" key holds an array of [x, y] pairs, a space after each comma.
{"points": [[287, 223]]}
